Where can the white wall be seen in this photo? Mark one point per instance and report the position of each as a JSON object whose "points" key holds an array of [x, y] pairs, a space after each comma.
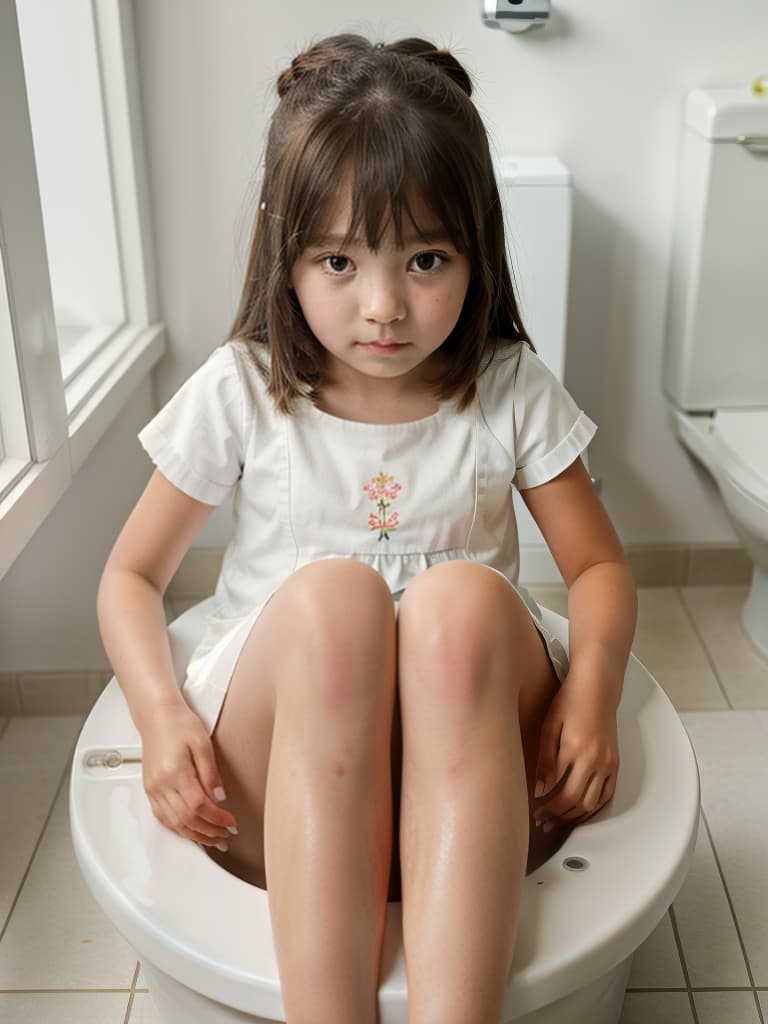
{"points": [[48, 596], [602, 87]]}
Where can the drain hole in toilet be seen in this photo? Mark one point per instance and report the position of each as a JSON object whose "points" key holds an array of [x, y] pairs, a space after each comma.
{"points": [[575, 864]]}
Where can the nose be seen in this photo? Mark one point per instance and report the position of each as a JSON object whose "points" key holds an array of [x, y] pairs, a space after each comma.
{"points": [[382, 300]]}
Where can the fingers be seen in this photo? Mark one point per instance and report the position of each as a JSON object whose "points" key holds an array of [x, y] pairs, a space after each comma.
{"points": [[182, 803], [208, 818], [179, 818], [211, 782], [547, 775], [173, 810], [577, 768], [577, 801]]}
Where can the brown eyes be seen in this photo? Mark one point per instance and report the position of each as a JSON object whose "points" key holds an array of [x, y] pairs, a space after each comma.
{"points": [[335, 265]]}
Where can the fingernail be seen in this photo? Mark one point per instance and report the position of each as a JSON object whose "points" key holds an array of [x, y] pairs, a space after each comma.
{"points": [[219, 794], [233, 830], [539, 788], [224, 847], [547, 826]]}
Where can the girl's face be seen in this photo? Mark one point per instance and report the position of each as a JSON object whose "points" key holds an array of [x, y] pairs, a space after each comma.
{"points": [[380, 315]]}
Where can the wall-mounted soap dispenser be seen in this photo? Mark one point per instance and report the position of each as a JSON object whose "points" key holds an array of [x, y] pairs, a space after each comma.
{"points": [[515, 15]]}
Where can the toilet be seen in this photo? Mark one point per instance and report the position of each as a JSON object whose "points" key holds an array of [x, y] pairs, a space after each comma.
{"points": [[716, 351], [204, 937]]}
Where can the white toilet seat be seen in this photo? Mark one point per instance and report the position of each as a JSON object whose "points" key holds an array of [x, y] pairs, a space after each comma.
{"points": [[730, 443], [741, 439], [212, 932]]}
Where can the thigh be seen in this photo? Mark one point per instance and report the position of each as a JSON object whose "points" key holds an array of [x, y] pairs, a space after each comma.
{"points": [[494, 615], [464, 613], [290, 623], [242, 742]]}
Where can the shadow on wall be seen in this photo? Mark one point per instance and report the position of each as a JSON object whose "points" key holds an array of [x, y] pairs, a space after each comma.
{"points": [[617, 305]]}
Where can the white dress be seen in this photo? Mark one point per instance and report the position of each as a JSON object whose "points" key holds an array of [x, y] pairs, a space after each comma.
{"points": [[399, 497]]}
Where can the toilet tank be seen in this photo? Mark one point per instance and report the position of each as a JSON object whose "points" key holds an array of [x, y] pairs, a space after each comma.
{"points": [[716, 351], [536, 196]]}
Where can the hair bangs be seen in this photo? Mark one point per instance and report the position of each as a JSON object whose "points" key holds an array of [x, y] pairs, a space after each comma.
{"points": [[389, 180]]}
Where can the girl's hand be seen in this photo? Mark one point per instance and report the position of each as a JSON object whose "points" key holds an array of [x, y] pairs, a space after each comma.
{"points": [[578, 748], [181, 778]]}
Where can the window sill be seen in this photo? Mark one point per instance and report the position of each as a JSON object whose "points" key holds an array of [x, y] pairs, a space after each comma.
{"points": [[93, 401]]}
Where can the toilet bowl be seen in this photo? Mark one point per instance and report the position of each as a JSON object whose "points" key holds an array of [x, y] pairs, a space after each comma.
{"points": [[730, 443], [204, 937]]}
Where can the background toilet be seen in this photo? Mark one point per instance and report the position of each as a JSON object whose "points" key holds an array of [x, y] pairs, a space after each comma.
{"points": [[716, 355]]}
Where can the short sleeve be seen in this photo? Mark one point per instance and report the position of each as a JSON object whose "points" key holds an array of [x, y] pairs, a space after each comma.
{"points": [[197, 438], [550, 431]]}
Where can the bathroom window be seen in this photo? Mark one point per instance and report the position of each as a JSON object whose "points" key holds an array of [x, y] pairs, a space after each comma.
{"points": [[78, 323], [61, 70]]}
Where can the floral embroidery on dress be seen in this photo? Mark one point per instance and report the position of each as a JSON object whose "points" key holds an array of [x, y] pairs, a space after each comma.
{"points": [[383, 489]]}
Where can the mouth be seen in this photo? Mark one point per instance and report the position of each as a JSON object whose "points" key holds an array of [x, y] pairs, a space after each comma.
{"points": [[384, 345]]}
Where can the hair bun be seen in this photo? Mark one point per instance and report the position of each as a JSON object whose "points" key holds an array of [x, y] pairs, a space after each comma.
{"points": [[323, 53], [442, 59], [348, 47], [287, 78]]}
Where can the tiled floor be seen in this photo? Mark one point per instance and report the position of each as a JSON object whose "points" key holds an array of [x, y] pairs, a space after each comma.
{"points": [[707, 962]]}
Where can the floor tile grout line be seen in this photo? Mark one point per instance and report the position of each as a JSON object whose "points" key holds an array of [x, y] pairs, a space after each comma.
{"points": [[683, 964], [705, 649], [733, 915], [695, 988], [132, 996], [63, 991], [45, 824]]}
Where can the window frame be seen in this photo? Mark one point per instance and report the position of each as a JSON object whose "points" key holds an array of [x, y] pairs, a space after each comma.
{"points": [[64, 419]]}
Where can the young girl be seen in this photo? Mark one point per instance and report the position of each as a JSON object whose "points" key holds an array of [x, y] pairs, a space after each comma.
{"points": [[376, 708]]}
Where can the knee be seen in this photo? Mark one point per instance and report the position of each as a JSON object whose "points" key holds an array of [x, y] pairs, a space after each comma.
{"points": [[461, 615], [344, 622], [462, 594], [323, 589]]}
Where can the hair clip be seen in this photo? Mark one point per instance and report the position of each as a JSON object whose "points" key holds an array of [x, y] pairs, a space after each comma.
{"points": [[263, 208], [379, 46]]}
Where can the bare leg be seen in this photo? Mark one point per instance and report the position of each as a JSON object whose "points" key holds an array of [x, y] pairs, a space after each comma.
{"points": [[467, 648], [328, 811], [303, 746]]}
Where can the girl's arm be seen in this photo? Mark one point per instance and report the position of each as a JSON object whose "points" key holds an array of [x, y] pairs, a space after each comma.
{"points": [[129, 604], [579, 735], [179, 767]]}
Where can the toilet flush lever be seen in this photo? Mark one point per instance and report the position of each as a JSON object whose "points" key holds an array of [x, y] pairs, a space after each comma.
{"points": [[754, 143]]}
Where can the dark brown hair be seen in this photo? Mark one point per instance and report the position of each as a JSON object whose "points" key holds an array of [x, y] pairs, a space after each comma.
{"points": [[401, 118]]}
